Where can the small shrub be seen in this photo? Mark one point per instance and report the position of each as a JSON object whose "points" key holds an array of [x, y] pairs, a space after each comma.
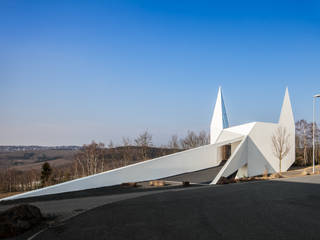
{"points": [[129, 184], [19, 219], [186, 183]]}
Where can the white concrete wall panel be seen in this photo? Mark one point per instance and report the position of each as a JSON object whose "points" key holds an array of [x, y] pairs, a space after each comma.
{"points": [[174, 164], [226, 135], [243, 129], [260, 152]]}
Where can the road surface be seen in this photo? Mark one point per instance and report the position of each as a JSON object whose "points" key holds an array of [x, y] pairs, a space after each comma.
{"points": [[281, 209]]}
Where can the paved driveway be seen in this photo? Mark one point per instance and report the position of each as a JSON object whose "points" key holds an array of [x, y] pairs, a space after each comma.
{"points": [[63, 209], [282, 209]]}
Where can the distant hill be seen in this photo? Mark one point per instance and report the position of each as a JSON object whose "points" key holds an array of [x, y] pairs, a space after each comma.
{"points": [[33, 159], [25, 158], [36, 148]]}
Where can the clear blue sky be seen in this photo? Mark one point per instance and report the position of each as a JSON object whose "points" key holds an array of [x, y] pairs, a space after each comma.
{"points": [[76, 71]]}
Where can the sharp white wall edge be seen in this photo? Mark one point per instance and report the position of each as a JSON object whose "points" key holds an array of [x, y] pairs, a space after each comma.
{"points": [[174, 164]]}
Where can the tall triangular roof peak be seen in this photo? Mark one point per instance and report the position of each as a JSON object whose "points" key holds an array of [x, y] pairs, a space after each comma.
{"points": [[219, 118], [286, 116]]}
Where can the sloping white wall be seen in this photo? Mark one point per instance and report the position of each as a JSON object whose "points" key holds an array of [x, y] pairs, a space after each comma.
{"points": [[170, 165], [260, 152], [243, 129]]}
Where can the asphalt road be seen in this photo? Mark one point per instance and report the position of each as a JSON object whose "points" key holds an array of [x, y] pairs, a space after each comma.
{"points": [[286, 209], [67, 205]]}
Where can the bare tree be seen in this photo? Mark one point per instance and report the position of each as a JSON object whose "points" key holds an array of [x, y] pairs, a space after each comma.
{"points": [[90, 160], [174, 142], [144, 141], [110, 145], [192, 140], [126, 153], [203, 138], [280, 143], [112, 150], [304, 136]]}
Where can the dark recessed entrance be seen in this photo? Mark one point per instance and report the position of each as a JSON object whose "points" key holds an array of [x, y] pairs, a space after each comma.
{"points": [[226, 152]]}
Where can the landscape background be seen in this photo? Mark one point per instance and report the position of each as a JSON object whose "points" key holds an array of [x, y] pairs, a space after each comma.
{"points": [[22, 167]]}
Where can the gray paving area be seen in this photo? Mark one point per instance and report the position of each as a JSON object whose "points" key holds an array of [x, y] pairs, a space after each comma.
{"points": [[279, 209], [202, 176], [67, 208], [64, 206], [312, 179]]}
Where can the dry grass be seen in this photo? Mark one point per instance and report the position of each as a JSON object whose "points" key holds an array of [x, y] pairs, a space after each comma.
{"points": [[275, 175], [305, 173], [224, 180], [292, 173], [157, 183]]}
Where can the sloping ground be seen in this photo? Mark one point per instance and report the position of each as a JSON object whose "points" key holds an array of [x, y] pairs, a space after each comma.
{"points": [[262, 210], [203, 176]]}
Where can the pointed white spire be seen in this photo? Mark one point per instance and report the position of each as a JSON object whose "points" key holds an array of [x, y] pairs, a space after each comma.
{"points": [[286, 120], [219, 118], [286, 116]]}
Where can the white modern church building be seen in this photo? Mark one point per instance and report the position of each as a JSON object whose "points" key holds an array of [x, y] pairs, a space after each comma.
{"points": [[240, 151]]}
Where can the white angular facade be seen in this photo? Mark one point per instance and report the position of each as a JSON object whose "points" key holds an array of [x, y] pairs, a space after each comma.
{"points": [[250, 146]]}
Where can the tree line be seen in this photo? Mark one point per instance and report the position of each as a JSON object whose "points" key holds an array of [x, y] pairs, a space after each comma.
{"points": [[304, 143]]}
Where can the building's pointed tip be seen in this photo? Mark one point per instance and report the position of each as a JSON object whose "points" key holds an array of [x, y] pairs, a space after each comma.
{"points": [[287, 96], [286, 115], [219, 119]]}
